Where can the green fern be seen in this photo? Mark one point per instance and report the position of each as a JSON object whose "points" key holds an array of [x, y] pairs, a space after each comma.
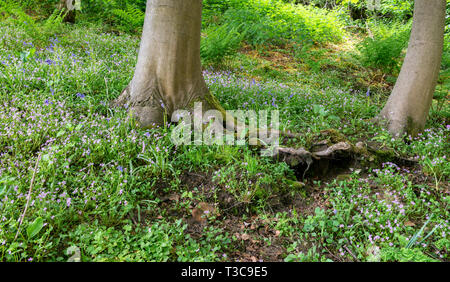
{"points": [[130, 20], [37, 32], [54, 23], [220, 43], [11, 11]]}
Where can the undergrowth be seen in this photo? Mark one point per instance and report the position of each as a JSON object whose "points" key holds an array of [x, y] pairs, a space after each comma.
{"points": [[115, 192]]}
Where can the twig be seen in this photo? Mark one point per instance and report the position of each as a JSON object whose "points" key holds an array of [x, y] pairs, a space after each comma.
{"points": [[338, 259], [28, 196], [345, 247]]}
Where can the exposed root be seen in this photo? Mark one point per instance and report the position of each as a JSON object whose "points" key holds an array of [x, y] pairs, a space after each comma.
{"points": [[327, 159], [122, 99]]}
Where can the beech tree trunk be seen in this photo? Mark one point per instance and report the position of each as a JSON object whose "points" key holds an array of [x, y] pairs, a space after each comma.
{"points": [[71, 7], [168, 74], [407, 108]]}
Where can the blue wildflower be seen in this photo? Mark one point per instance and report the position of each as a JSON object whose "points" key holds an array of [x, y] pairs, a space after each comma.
{"points": [[81, 95]]}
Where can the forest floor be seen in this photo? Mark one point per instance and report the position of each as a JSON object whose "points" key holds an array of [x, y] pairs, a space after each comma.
{"points": [[118, 193]]}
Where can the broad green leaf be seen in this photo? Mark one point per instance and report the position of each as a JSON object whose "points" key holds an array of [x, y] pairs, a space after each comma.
{"points": [[34, 228]]}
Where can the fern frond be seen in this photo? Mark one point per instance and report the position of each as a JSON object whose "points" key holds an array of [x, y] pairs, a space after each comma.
{"points": [[130, 19]]}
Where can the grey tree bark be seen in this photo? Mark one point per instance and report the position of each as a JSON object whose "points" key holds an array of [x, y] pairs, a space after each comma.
{"points": [[168, 74], [71, 6], [407, 108]]}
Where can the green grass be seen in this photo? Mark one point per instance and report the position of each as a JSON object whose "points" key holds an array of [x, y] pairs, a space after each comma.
{"points": [[119, 193]]}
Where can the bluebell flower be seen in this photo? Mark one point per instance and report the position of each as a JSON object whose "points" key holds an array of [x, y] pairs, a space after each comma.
{"points": [[80, 95]]}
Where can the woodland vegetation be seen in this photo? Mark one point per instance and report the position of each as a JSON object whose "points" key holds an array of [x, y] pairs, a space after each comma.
{"points": [[362, 172]]}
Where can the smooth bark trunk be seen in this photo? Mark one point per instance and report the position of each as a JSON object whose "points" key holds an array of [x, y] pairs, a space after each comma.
{"points": [[168, 74], [407, 108]]}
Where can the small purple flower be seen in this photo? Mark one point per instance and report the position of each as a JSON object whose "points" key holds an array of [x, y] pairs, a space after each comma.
{"points": [[120, 168], [81, 95]]}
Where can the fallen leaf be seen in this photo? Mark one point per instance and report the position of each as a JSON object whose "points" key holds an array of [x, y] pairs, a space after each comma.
{"points": [[202, 212], [410, 224], [197, 215], [174, 197]]}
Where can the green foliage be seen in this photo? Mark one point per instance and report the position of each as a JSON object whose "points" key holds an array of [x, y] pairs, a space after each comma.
{"points": [[397, 10], [275, 22], [115, 192], [315, 58], [445, 65], [34, 228], [371, 224], [385, 49], [400, 10], [404, 255], [219, 44], [159, 242], [129, 20], [126, 15], [213, 9], [40, 9], [389, 10], [38, 32]]}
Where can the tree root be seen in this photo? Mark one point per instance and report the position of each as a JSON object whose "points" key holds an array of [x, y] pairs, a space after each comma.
{"points": [[336, 156]]}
